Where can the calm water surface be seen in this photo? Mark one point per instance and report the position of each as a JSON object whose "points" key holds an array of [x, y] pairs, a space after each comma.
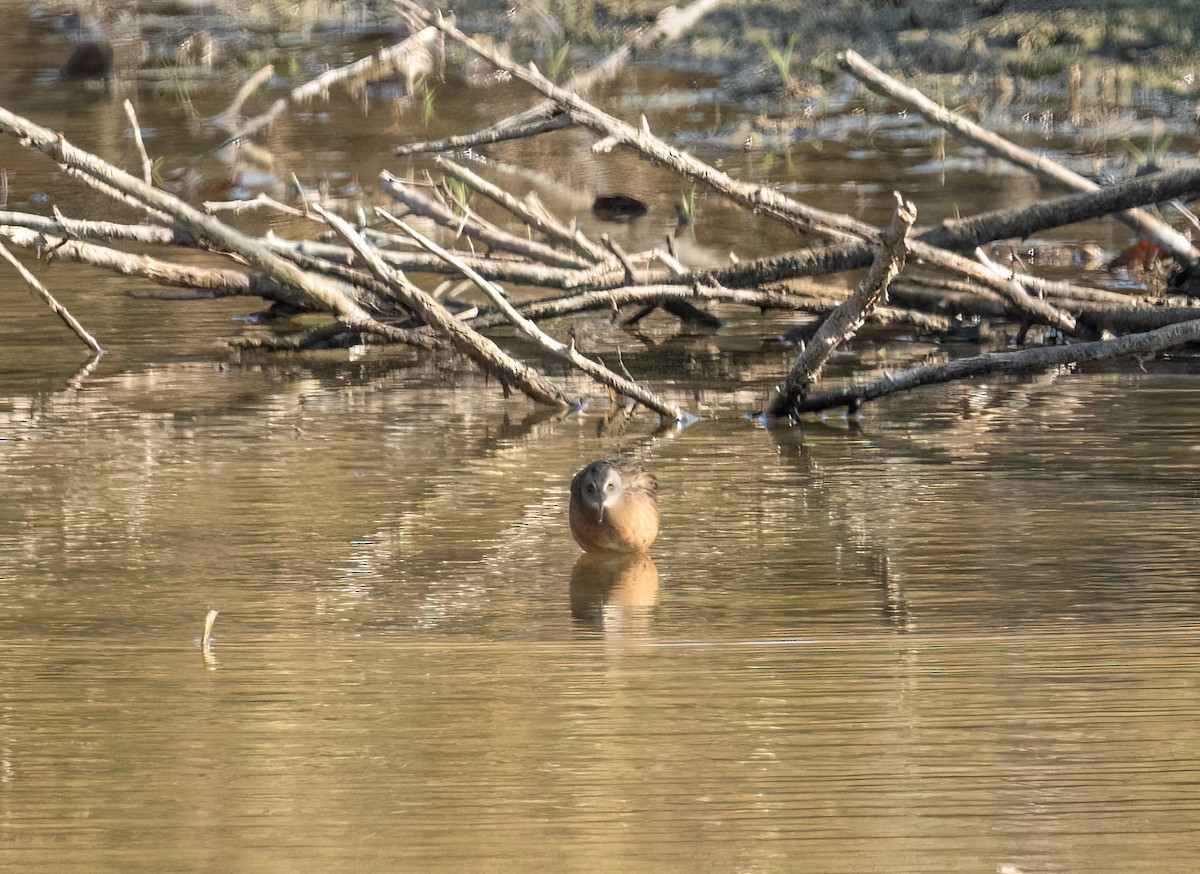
{"points": [[960, 634]]}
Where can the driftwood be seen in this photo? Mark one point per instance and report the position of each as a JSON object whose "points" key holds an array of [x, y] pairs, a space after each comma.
{"points": [[59, 310], [1043, 167], [363, 285], [843, 323], [1024, 361]]}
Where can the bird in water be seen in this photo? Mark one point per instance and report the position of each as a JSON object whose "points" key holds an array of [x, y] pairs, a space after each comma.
{"points": [[614, 506]]}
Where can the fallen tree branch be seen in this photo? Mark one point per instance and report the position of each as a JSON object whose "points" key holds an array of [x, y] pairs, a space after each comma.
{"points": [[843, 323], [490, 357], [878, 81], [1020, 222], [86, 229], [136, 128], [496, 269], [1000, 363], [759, 298], [570, 354], [962, 233], [474, 227], [61, 311]]}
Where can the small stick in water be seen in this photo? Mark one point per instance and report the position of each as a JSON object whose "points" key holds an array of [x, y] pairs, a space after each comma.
{"points": [[206, 639]]}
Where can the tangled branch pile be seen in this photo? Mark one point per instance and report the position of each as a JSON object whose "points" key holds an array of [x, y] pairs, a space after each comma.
{"points": [[362, 281]]}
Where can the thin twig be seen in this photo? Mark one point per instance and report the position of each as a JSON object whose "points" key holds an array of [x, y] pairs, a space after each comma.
{"points": [[147, 164], [59, 310]]}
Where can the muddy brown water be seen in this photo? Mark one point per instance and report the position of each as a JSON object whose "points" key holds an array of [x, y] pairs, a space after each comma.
{"points": [[958, 635]]}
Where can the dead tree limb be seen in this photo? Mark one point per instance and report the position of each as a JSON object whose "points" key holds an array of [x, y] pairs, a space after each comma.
{"points": [[762, 199], [221, 282], [323, 293], [963, 233], [539, 220], [215, 281], [59, 310], [474, 227], [490, 357], [1040, 165], [843, 323], [85, 229], [1020, 222], [570, 354], [1002, 363], [496, 269], [1097, 323], [136, 128], [670, 25]]}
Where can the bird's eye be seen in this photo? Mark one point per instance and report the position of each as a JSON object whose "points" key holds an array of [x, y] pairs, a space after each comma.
{"points": [[608, 486]]}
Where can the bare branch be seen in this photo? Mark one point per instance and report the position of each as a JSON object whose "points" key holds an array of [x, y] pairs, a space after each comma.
{"points": [[147, 165], [59, 310], [490, 357], [843, 323], [1023, 361], [1040, 165], [570, 354]]}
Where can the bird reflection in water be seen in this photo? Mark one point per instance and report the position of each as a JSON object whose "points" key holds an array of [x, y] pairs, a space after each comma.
{"points": [[614, 590]]}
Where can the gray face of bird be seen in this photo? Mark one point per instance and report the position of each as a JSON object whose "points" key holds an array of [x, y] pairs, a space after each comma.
{"points": [[601, 488]]}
